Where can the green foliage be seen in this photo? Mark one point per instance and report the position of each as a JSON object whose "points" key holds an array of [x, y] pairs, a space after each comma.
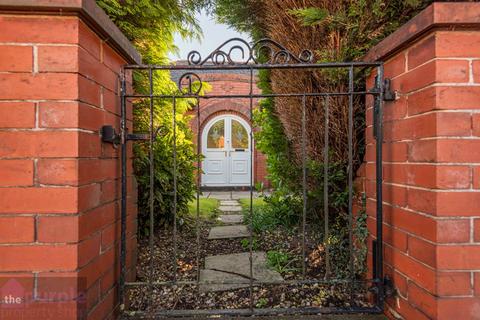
{"points": [[277, 210], [208, 208], [282, 262], [150, 26], [246, 244]]}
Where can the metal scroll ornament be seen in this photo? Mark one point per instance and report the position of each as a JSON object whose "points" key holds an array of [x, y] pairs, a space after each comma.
{"points": [[265, 50]]}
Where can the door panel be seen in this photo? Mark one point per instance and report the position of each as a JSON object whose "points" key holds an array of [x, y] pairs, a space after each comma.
{"points": [[226, 147]]}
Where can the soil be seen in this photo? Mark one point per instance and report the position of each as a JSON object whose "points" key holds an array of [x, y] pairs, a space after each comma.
{"points": [[188, 297]]}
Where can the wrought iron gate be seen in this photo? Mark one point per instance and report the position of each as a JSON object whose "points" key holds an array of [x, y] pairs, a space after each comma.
{"points": [[262, 55]]}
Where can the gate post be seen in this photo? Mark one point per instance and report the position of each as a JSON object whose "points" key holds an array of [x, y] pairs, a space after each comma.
{"points": [[431, 169], [59, 185]]}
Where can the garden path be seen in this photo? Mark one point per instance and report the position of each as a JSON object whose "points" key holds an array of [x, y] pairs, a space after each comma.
{"points": [[233, 270]]}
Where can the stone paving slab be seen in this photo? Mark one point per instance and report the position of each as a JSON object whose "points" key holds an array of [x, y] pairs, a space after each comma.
{"points": [[239, 263], [229, 203], [235, 268], [228, 232], [231, 218], [230, 208]]}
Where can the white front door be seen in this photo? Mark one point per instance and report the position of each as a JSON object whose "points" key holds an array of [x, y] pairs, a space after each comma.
{"points": [[226, 148]]}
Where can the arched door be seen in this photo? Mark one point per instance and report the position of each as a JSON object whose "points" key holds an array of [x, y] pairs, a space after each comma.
{"points": [[226, 148]]}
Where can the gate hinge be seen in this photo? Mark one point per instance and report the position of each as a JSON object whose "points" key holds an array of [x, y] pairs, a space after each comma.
{"points": [[388, 93], [109, 135], [388, 288]]}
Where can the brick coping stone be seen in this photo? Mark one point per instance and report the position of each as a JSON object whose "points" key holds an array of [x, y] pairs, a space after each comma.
{"points": [[88, 11], [439, 15]]}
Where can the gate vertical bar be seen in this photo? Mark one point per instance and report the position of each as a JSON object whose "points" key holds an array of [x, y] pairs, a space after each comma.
{"points": [[175, 267], [151, 176], [123, 213], [350, 180], [379, 185], [251, 192], [325, 188], [199, 170], [304, 183]]}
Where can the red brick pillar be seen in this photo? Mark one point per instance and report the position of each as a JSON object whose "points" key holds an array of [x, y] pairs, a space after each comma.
{"points": [[59, 185], [431, 164]]}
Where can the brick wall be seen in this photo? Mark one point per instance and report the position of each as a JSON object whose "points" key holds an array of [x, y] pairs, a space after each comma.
{"points": [[230, 84], [431, 164], [59, 185]]}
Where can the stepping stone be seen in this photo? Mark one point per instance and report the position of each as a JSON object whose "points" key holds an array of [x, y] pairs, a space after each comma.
{"points": [[229, 203], [221, 195], [228, 232], [230, 208], [236, 268], [231, 218]]}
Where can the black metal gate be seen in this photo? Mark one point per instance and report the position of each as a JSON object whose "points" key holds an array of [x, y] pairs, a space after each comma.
{"points": [[270, 55]]}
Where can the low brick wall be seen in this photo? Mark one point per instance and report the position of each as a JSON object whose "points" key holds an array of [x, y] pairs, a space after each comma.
{"points": [[431, 164], [59, 185]]}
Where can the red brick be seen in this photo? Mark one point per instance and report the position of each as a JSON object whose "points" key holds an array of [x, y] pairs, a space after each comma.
{"points": [[458, 150], [57, 172], [105, 306], [57, 229], [476, 283], [17, 229], [449, 71], [112, 59], [458, 308], [90, 145], [89, 91], [58, 114], [422, 101], [457, 203], [457, 97], [38, 257], [58, 58], [111, 101], [94, 70], [421, 250], [465, 257], [415, 79], [422, 299], [399, 280], [394, 237], [109, 235], [394, 110], [395, 152], [476, 71], [416, 271], [458, 44], [454, 284], [88, 250], [38, 200], [94, 220], [408, 311], [97, 267], [453, 124], [395, 66], [422, 200], [421, 52], [422, 151], [107, 281], [16, 173], [453, 177], [396, 195], [476, 124], [453, 230], [17, 115], [39, 144], [40, 86], [476, 230], [39, 30], [16, 58], [88, 197], [411, 222], [66, 284], [89, 41]]}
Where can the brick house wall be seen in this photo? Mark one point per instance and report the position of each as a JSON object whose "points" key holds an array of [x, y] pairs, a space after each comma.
{"points": [[431, 164], [59, 185], [230, 83]]}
